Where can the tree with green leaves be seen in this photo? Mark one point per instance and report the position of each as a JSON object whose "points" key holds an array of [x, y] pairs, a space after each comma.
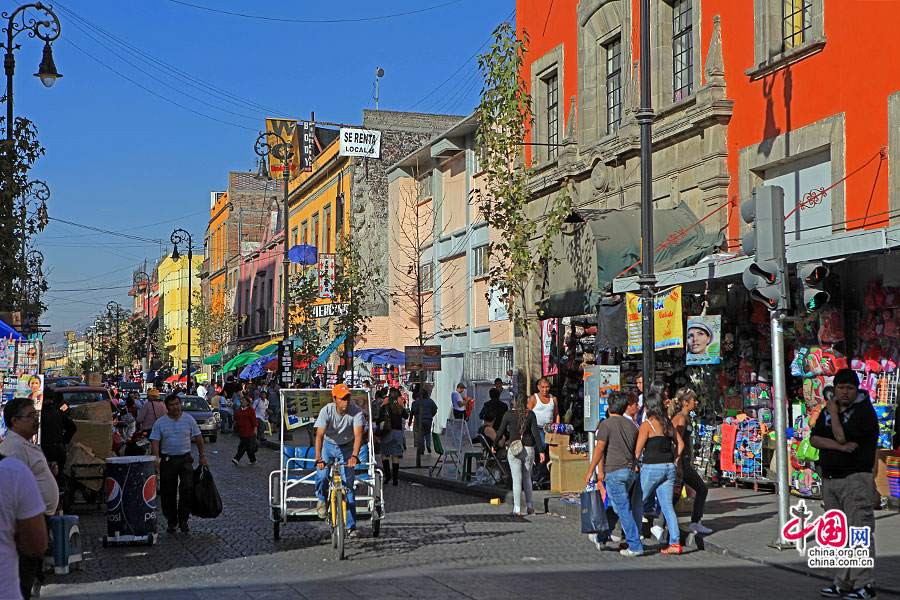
{"points": [[304, 288], [160, 343], [350, 282], [23, 213], [216, 327], [523, 248]]}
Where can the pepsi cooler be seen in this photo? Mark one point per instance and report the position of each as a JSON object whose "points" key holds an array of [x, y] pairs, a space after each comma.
{"points": [[130, 500]]}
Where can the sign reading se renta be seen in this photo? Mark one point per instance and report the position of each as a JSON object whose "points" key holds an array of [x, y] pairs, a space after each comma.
{"points": [[360, 142]]}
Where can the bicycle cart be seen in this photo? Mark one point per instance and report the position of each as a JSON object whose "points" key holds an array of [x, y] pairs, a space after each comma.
{"points": [[292, 488]]}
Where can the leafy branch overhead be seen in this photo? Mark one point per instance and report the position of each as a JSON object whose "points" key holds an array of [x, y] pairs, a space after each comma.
{"points": [[523, 247]]}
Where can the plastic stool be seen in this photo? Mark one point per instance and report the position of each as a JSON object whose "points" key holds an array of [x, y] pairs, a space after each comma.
{"points": [[65, 543]]}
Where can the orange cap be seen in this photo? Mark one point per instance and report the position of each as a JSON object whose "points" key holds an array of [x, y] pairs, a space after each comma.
{"points": [[340, 390]]}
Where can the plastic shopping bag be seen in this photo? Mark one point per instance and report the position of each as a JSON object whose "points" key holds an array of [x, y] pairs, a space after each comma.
{"points": [[593, 512], [207, 501]]}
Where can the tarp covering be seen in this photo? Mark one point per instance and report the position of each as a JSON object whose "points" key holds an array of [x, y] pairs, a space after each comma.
{"points": [[593, 253], [381, 356], [7, 332], [240, 360], [267, 347], [215, 359]]}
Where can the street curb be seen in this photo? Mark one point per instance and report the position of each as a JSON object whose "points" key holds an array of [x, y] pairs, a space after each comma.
{"points": [[481, 491], [715, 548]]}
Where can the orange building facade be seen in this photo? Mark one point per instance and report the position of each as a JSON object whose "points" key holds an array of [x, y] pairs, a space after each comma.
{"points": [[787, 92]]}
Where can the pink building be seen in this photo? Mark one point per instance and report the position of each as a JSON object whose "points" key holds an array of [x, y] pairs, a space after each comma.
{"points": [[258, 294]]}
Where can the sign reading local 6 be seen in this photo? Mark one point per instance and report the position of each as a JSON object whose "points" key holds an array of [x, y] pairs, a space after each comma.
{"points": [[667, 324]]}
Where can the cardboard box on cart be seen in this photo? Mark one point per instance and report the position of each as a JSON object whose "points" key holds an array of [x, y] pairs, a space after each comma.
{"points": [[568, 475]]}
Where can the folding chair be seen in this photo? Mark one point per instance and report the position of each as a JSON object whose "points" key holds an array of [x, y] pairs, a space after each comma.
{"points": [[443, 455]]}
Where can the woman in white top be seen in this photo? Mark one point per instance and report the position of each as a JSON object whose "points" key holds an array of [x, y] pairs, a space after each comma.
{"points": [[544, 406]]}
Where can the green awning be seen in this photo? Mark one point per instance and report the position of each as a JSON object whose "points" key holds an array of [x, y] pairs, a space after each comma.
{"points": [[215, 359], [240, 360], [593, 253]]}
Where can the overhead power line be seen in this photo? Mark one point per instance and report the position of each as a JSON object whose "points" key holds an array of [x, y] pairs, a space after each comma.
{"points": [[313, 21]]}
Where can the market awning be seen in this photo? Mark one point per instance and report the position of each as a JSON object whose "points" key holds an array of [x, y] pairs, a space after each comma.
{"points": [[267, 347], [240, 360], [593, 253], [215, 359], [381, 356], [7, 332]]}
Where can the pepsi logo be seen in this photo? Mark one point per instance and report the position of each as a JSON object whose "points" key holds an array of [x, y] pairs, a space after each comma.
{"points": [[150, 491], [113, 494]]}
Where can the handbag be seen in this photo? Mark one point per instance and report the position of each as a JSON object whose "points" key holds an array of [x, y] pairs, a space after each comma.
{"points": [[593, 513], [516, 449], [207, 501], [253, 446]]}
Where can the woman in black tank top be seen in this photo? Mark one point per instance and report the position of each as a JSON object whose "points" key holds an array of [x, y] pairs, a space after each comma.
{"points": [[683, 405], [661, 464]]}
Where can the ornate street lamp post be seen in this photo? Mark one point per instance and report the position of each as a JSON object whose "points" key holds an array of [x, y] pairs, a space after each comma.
{"points": [[113, 306], [283, 152], [180, 236], [142, 277]]}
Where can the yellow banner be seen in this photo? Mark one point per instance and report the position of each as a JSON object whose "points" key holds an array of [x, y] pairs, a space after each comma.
{"points": [[667, 324]]}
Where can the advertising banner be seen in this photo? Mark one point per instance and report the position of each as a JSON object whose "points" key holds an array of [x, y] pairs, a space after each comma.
{"points": [[704, 340], [667, 323], [423, 358], [301, 406], [326, 275], [549, 347]]}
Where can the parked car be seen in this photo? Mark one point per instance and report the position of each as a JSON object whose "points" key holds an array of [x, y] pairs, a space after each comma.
{"points": [[76, 395], [207, 420]]}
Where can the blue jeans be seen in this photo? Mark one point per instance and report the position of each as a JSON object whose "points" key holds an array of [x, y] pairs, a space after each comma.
{"points": [[659, 479], [226, 421], [624, 490], [348, 476]]}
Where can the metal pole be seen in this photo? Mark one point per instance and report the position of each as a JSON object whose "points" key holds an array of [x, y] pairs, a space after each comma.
{"points": [[190, 303], [780, 405], [286, 262], [647, 279]]}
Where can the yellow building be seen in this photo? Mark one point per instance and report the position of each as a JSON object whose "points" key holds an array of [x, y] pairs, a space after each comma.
{"points": [[173, 305]]}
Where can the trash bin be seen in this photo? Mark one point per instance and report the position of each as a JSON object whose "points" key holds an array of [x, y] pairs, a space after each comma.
{"points": [[64, 550], [130, 500]]}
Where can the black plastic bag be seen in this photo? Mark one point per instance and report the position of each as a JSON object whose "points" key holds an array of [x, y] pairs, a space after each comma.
{"points": [[593, 513], [207, 501], [253, 445]]}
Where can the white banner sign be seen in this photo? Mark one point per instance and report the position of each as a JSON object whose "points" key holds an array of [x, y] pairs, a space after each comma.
{"points": [[325, 311], [360, 142]]}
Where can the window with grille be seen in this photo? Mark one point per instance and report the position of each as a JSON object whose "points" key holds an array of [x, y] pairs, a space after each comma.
{"points": [[426, 274], [552, 84], [304, 232], [682, 50], [797, 22], [479, 261], [613, 85]]}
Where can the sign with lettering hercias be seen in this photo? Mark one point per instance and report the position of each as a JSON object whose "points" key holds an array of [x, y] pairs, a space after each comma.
{"points": [[360, 142]]}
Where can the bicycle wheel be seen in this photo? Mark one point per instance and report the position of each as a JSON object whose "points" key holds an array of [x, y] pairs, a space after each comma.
{"points": [[340, 529]]}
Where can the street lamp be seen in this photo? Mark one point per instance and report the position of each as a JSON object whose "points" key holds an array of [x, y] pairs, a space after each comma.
{"points": [[283, 152], [180, 236], [142, 277], [44, 29], [111, 306]]}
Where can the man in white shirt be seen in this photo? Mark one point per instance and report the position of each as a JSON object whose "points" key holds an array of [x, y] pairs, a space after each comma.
{"points": [[202, 391], [23, 530], [170, 442], [505, 395], [261, 406], [457, 402], [22, 421]]}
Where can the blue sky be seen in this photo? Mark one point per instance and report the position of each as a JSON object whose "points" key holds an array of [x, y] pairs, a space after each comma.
{"points": [[122, 155]]}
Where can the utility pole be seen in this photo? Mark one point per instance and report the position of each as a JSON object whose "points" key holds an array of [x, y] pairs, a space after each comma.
{"points": [[647, 279]]}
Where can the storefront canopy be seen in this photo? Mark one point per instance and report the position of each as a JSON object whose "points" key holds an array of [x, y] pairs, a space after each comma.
{"points": [[593, 253], [267, 347], [8, 332], [215, 359], [381, 356], [240, 360]]}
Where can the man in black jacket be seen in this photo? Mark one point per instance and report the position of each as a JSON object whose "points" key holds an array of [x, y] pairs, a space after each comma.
{"points": [[57, 429], [846, 435]]}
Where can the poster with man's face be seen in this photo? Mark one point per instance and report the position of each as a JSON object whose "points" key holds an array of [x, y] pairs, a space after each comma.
{"points": [[703, 340]]}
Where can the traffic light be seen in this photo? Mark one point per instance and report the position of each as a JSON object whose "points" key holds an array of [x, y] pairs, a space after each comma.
{"points": [[766, 278], [812, 283]]}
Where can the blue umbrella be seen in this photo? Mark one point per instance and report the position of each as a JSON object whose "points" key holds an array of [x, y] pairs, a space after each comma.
{"points": [[303, 254], [255, 368]]}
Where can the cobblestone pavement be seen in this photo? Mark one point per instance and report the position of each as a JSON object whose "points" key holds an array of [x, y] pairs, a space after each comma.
{"points": [[434, 544]]}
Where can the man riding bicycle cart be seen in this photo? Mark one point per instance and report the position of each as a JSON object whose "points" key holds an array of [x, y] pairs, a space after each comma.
{"points": [[335, 479]]}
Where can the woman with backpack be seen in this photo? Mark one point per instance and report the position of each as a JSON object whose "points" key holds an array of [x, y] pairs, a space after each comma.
{"points": [[390, 419], [662, 449], [519, 427]]}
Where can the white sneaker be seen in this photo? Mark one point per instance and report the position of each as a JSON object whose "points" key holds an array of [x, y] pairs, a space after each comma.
{"points": [[615, 538], [595, 537], [629, 553], [658, 532], [699, 528]]}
